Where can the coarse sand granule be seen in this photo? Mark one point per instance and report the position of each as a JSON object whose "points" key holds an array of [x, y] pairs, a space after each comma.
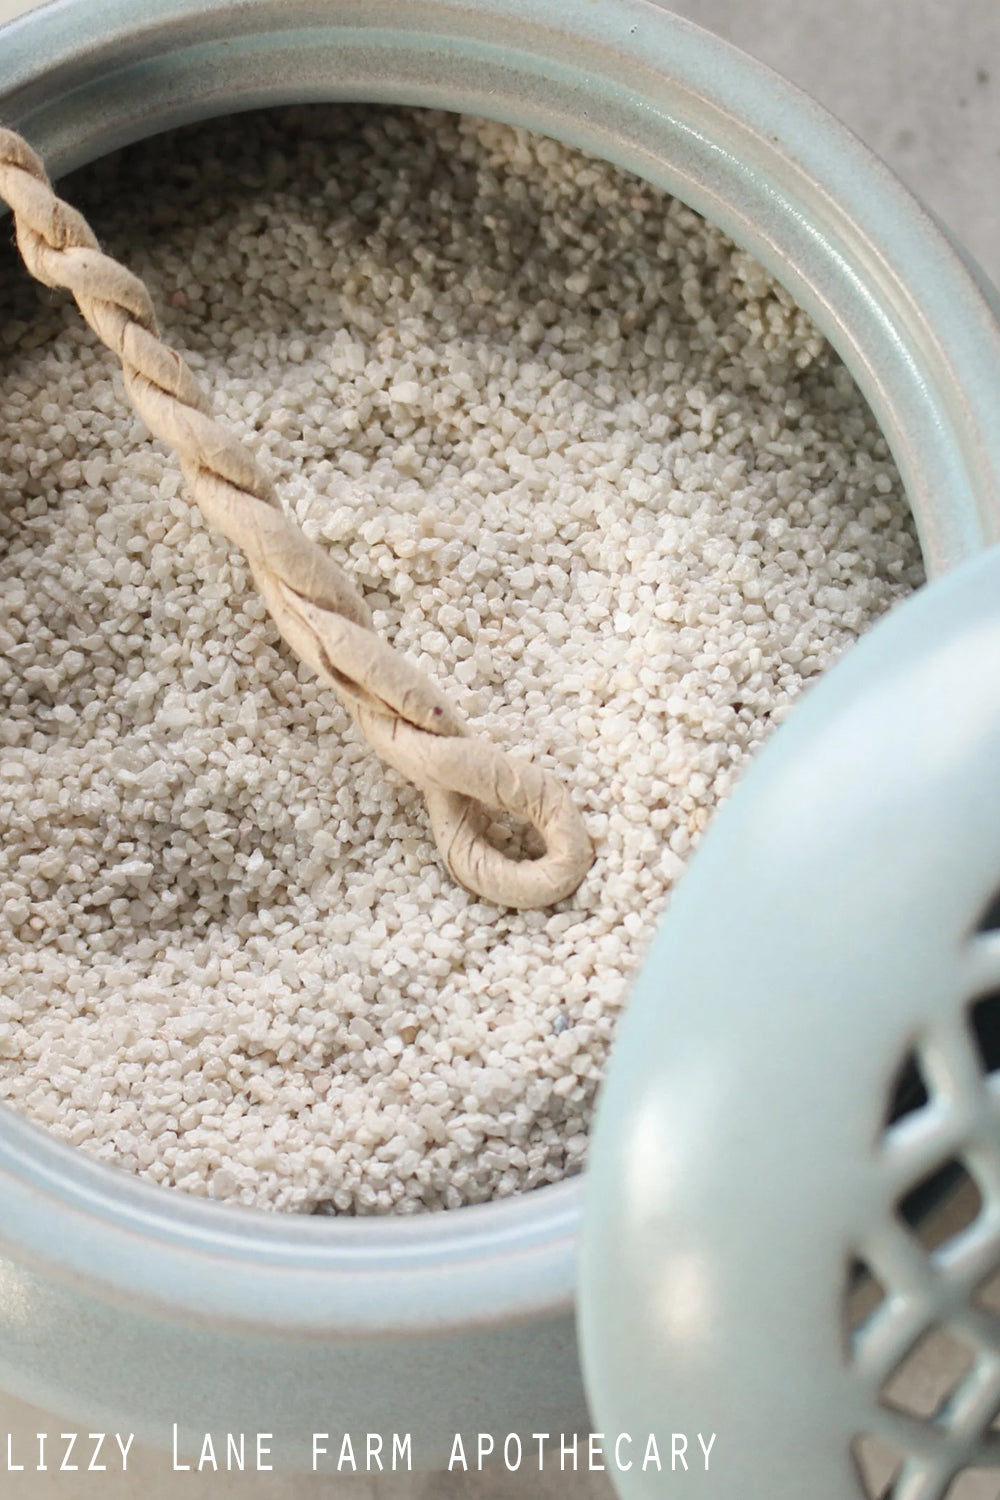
{"points": [[591, 467]]}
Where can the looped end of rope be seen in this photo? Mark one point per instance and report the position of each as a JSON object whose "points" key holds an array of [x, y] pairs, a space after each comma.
{"points": [[459, 824], [463, 777]]}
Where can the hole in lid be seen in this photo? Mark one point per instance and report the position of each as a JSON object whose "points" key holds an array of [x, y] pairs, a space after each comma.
{"points": [[864, 1294], [942, 1205], [990, 920], [986, 1295], [974, 1484], [877, 1463], [984, 1019], [909, 1091], [928, 1374]]}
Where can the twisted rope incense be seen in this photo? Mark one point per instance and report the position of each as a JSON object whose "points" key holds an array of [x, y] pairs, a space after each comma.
{"points": [[314, 604]]}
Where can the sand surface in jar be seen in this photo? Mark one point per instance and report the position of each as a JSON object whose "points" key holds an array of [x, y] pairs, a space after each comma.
{"points": [[588, 464]]}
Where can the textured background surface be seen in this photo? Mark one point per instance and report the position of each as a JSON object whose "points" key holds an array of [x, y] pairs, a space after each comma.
{"points": [[919, 81]]}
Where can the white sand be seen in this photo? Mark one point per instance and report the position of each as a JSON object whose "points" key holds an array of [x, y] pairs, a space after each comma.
{"points": [[589, 465]]}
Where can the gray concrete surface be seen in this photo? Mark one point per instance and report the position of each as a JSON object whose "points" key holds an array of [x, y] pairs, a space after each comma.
{"points": [[917, 80]]}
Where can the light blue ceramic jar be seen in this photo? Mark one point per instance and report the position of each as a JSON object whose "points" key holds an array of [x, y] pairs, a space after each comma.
{"points": [[130, 1307]]}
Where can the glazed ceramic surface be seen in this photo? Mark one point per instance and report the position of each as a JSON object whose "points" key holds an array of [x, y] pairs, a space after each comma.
{"points": [[122, 1304], [838, 930]]}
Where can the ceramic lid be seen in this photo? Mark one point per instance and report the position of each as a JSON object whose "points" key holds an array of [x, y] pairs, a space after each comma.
{"points": [[838, 925]]}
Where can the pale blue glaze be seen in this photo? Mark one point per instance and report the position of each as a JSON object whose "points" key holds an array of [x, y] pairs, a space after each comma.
{"points": [[827, 923]]}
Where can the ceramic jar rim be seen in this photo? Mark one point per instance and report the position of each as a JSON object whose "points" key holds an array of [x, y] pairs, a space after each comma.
{"points": [[635, 84]]}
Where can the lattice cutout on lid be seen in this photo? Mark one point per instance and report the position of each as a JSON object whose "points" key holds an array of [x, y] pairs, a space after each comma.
{"points": [[984, 1017], [878, 1464], [990, 920], [974, 1484], [865, 1294], [931, 1373], [987, 1294], [921, 1305], [942, 1205], [909, 1092]]}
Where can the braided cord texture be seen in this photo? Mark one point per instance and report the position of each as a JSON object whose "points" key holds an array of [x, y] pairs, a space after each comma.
{"points": [[320, 613]]}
